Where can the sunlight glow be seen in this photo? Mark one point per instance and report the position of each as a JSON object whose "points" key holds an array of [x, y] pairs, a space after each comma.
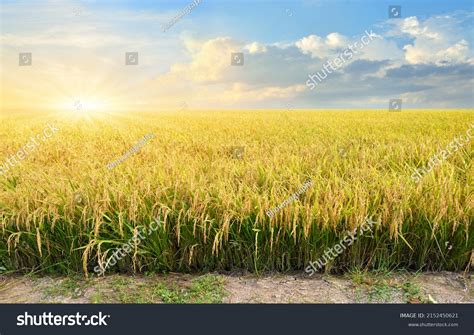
{"points": [[79, 107]]}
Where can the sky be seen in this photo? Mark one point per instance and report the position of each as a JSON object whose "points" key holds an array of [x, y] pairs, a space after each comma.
{"points": [[423, 56]]}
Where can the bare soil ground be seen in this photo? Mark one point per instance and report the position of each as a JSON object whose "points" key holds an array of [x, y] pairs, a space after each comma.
{"points": [[444, 287]]}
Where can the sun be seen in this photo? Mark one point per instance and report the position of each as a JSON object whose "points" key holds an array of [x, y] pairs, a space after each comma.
{"points": [[80, 106], [87, 105]]}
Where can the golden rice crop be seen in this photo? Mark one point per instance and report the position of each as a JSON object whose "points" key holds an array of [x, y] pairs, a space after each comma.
{"points": [[62, 210]]}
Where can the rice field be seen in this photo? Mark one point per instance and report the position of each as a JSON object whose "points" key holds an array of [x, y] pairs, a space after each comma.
{"points": [[209, 178]]}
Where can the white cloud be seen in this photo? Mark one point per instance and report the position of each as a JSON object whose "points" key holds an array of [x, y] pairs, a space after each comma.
{"points": [[318, 47], [255, 47], [436, 40], [312, 45], [209, 60], [412, 27], [336, 40]]}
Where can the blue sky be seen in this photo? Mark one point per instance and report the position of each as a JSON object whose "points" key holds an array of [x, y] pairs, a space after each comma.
{"points": [[262, 20], [424, 58]]}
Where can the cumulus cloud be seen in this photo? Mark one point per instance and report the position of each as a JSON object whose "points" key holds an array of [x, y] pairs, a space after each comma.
{"points": [[312, 45], [318, 47], [275, 74], [255, 48], [412, 27], [379, 48], [209, 60], [436, 40]]}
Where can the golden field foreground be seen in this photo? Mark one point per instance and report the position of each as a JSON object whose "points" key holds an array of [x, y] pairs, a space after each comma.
{"points": [[194, 190]]}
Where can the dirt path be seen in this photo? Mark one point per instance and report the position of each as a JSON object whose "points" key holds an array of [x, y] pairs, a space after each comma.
{"points": [[442, 287]]}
